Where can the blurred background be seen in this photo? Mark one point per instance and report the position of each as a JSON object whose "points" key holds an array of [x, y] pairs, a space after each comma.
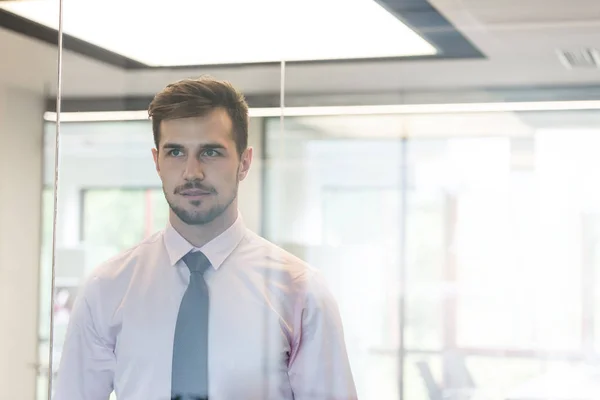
{"points": [[436, 159]]}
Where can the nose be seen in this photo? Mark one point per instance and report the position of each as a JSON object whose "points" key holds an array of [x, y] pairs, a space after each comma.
{"points": [[193, 169]]}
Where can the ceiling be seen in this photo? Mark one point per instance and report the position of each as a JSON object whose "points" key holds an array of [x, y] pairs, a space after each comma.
{"points": [[518, 39], [175, 35]]}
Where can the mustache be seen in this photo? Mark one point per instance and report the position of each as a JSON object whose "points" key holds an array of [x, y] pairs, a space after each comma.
{"points": [[193, 185]]}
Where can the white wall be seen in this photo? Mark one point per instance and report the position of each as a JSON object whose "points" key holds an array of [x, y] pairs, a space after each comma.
{"points": [[20, 198]]}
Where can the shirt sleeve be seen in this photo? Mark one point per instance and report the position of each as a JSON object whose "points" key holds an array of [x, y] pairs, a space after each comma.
{"points": [[87, 363], [319, 367]]}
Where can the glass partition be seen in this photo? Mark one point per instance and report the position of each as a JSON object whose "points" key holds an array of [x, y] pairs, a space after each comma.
{"points": [[460, 246], [444, 237], [454, 226]]}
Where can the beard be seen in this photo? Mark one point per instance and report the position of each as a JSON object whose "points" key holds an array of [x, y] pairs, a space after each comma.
{"points": [[201, 217]]}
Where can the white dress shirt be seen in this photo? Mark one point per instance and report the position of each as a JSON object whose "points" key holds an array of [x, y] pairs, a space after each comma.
{"points": [[274, 332]]}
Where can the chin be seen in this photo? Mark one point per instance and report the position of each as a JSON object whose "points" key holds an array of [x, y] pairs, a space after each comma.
{"points": [[195, 216], [196, 219], [198, 212]]}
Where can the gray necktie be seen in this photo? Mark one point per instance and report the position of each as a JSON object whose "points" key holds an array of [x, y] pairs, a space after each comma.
{"points": [[189, 376]]}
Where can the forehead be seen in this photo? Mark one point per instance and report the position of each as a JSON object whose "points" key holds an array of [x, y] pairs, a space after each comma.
{"points": [[214, 126]]}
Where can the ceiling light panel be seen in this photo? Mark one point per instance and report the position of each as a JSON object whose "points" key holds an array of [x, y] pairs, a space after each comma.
{"points": [[202, 32]]}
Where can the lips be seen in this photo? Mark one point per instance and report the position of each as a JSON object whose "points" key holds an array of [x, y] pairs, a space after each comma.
{"points": [[194, 192]]}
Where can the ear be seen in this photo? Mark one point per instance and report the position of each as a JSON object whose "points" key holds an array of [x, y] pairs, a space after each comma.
{"points": [[155, 157], [245, 162]]}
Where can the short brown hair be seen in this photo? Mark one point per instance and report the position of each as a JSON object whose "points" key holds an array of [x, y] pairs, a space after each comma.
{"points": [[197, 97]]}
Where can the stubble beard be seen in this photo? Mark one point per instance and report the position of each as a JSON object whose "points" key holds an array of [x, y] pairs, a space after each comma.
{"points": [[196, 218]]}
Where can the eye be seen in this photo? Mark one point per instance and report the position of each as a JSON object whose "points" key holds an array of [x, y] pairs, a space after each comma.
{"points": [[211, 153], [175, 153]]}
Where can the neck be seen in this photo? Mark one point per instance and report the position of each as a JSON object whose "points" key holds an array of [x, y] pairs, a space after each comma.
{"points": [[199, 235]]}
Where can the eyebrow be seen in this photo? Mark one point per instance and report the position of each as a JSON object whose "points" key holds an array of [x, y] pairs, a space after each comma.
{"points": [[172, 146], [205, 146]]}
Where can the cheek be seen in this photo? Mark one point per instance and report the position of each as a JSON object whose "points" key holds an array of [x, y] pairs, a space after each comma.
{"points": [[167, 177], [221, 172], [224, 181]]}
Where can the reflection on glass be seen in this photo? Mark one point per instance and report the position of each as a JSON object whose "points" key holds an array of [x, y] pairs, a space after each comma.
{"points": [[334, 199], [501, 247], [501, 259], [128, 217], [501, 241]]}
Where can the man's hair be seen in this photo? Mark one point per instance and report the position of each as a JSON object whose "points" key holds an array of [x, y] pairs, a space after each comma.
{"points": [[196, 98]]}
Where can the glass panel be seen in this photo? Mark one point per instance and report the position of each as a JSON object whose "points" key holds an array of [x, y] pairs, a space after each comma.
{"points": [[500, 257], [514, 248], [333, 199], [28, 80]]}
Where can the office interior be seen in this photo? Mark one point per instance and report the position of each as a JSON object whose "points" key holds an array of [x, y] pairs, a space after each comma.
{"points": [[436, 159]]}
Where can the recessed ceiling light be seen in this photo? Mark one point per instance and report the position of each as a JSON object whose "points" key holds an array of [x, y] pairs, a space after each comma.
{"points": [[208, 32]]}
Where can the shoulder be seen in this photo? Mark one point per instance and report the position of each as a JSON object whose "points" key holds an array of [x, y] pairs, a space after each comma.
{"points": [[284, 267], [266, 254], [102, 291], [300, 284]]}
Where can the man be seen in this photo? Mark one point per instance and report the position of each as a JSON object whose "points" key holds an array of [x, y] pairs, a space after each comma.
{"points": [[204, 308]]}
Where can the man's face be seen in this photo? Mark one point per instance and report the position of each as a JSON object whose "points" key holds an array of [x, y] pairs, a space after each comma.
{"points": [[198, 164]]}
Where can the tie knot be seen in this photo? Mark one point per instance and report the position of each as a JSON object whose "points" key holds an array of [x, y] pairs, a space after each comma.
{"points": [[196, 261]]}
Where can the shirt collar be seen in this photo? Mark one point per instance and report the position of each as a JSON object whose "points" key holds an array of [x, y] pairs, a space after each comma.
{"points": [[217, 250]]}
